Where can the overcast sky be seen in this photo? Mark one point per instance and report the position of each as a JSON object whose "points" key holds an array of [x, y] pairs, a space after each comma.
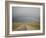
{"points": [[25, 13]]}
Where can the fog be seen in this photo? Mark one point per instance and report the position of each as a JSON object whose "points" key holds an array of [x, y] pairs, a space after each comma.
{"points": [[25, 14]]}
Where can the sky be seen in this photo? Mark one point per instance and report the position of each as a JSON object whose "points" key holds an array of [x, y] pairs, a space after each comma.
{"points": [[25, 14]]}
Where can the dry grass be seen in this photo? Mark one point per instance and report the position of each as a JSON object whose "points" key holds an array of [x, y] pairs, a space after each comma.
{"points": [[27, 26]]}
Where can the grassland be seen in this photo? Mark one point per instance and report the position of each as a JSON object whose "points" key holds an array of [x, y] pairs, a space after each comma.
{"points": [[25, 26]]}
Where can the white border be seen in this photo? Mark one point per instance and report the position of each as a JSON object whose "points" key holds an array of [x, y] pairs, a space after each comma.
{"points": [[24, 32]]}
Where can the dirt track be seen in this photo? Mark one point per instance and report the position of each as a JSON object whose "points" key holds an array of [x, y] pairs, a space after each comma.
{"points": [[24, 27]]}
